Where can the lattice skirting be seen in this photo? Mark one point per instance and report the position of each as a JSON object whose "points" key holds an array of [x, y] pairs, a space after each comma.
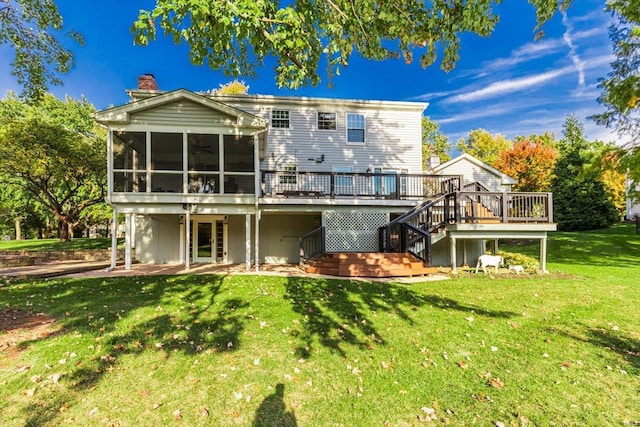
{"points": [[352, 231]]}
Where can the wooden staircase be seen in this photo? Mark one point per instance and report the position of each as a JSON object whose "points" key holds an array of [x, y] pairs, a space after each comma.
{"points": [[367, 264]]}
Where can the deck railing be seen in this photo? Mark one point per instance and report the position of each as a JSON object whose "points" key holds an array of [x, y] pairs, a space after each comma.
{"points": [[485, 206], [360, 185], [312, 244]]}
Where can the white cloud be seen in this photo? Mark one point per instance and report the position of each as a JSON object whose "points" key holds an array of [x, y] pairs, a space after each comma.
{"points": [[573, 51], [508, 86]]}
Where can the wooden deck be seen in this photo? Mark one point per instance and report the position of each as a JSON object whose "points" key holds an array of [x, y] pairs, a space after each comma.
{"points": [[367, 264]]}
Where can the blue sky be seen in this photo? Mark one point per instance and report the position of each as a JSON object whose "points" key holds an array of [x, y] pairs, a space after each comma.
{"points": [[507, 83]]}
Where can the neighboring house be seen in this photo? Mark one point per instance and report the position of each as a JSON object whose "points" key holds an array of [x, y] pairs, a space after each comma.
{"points": [[210, 178], [632, 203], [474, 171]]}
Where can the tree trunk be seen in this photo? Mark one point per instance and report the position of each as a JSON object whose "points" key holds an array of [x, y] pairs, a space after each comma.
{"points": [[18, 227], [63, 228]]}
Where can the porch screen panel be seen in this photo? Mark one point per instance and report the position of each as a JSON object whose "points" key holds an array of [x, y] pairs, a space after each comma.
{"points": [[203, 163], [166, 151], [238, 164], [166, 162], [129, 161]]}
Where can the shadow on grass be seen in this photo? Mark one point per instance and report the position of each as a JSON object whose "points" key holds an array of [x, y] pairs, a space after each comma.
{"points": [[336, 311], [177, 314], [625, 346], [272, 413]]}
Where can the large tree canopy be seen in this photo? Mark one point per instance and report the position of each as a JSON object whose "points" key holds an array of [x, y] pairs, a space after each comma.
{"points": [[483, 145], [621, 89], [54, 153], [33, 28], [238, 36]]}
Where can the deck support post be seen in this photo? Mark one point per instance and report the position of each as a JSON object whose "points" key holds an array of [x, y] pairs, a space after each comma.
{"points": [[247, 234], [257, 240], [187, 238], [114, 238], [543, 254], [454, 256], [127, 241], [495, 247]]}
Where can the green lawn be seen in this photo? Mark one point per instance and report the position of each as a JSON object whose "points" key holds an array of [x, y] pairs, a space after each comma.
{"points": [[560, 349], [56, 245]]}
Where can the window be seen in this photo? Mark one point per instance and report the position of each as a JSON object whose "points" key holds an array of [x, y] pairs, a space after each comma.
{"points": [[289, 179], [326, 121], [280, 119], [355, 128]]}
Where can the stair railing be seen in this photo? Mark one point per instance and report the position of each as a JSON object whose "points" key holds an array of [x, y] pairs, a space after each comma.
{"points": [[412, 231], [312, 244]]}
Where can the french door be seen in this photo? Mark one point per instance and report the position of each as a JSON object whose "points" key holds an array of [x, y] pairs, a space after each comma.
{"points": [[209, 240]]}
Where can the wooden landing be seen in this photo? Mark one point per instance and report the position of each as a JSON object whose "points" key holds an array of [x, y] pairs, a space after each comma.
{"points": [[367, 264]]}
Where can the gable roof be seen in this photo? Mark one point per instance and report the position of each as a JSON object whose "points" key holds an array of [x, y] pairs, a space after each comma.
{"points": [[121, 114], [504, 178]]}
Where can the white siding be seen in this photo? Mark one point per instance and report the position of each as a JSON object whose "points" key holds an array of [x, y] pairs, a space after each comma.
{"points": [[472, 173], [158, 239], [393, 138], [182, 113], [280, 234]]}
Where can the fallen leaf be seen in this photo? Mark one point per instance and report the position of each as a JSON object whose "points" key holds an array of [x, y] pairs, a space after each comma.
{"points": [[29, 392], [463, 365], [237, 395], [145, 393], [93, 411], [499, 424], [495, 382], [204, 412], [177, 416]]}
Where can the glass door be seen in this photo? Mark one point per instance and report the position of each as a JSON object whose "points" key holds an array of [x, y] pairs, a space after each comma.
{"points": [[209, 239], [204, 242]]}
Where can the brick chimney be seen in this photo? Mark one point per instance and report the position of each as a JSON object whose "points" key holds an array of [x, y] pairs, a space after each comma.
{"points": [[147, 82]]}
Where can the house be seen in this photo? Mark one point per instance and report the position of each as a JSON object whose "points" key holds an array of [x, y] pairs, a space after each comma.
{"points": [[206, 178]]}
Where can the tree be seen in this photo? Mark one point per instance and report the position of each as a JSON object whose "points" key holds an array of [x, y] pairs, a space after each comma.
{"points": [[433, 142], [579, 197], [55, 153], [621, 89], [235, 87], [239, 36], [483, 145], [529, 161], [32, 28]]}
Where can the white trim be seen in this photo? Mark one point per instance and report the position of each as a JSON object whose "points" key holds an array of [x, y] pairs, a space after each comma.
{"points": [[287, 110], [346, 129]]}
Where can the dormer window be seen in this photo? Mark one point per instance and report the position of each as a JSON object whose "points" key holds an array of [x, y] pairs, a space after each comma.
{"points": [[280, 119]]}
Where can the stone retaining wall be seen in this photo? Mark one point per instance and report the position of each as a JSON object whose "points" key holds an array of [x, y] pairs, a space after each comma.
{"points": [[25, 258]]}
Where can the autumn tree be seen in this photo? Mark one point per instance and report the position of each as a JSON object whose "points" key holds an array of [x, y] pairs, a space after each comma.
{"points": [[483, 145], [235, 87], [34, 30], [237, 37], [530, 162], [434, 142], [580, 200], [54, 153]]}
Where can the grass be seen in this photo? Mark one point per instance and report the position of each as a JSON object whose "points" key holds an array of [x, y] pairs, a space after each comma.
{"points": [[77, 244], [560, 349]]}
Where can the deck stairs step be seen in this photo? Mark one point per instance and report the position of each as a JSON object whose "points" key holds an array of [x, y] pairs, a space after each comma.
{"points": [[367, 264]]}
